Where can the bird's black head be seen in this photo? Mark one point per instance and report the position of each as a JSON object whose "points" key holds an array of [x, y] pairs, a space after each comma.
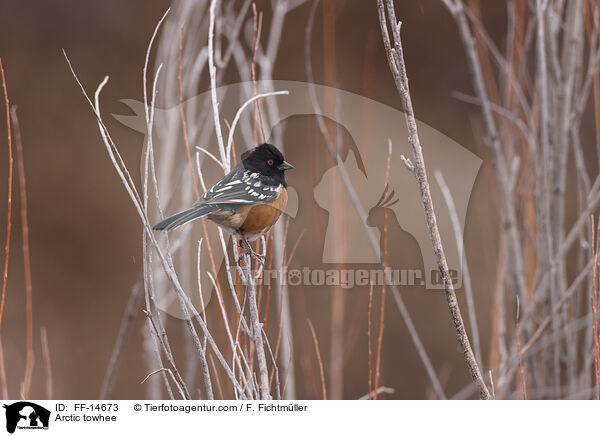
{"points": [[269, 162]]}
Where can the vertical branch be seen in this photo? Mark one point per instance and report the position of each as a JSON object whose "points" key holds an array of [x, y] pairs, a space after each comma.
{"points": [[9, 207], [26, 257], [521, 370], [369, 341], [203, 363], [594, 302], [396, 61], [321, 371], [384, 266], [268, 298], [47, 364], [256, 330], [3, 383]]}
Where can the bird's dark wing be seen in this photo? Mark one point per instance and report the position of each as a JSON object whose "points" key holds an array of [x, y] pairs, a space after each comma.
{"points": [[239, 187]]}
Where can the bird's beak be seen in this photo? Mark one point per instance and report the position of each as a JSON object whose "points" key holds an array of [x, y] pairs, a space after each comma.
{"points": [[285, 166]]}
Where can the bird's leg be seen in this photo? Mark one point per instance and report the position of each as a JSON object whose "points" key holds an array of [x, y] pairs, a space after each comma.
{"points": [[248, 249]]}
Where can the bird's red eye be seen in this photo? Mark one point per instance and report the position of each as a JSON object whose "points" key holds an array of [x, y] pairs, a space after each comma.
{"points": [[270, 161]]}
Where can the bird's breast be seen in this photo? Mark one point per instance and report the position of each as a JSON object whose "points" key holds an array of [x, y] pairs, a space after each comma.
{"points": [[258, 218]]}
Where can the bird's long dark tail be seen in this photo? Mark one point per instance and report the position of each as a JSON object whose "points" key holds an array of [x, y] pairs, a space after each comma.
{"points": [[183, 217]]}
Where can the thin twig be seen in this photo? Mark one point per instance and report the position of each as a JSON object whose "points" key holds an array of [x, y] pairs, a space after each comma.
{"points": [[29, 360], [9, 207], [47, 364], [203, 362], [595, 304], [167, 370], [369, 340], [321, 371], [268, 299], [385, 260], [257, 330], [275, 368], [3, 383], [521, 370]]}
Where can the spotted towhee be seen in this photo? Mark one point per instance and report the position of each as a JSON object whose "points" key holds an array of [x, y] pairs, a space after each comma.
{"points": [[247, 201]]}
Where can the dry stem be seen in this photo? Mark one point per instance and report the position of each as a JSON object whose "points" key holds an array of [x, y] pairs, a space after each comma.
{"points": [[9, 208], [26, 256]]}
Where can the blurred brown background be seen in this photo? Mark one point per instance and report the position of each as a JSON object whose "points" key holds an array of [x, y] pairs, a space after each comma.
{"points": [[85, 234]]}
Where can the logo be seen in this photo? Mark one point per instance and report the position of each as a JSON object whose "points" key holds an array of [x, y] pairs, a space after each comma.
{"points": [[26, 415], [344, 200]]}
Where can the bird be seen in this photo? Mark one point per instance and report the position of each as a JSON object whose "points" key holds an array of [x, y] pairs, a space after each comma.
{"points": [[247, 201]]}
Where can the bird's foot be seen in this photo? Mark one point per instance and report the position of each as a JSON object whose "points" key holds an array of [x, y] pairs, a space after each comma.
{"points": [[248, 250]]}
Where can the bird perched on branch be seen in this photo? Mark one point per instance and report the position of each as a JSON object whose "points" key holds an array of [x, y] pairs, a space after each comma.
{"points": [[248, 200]]}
